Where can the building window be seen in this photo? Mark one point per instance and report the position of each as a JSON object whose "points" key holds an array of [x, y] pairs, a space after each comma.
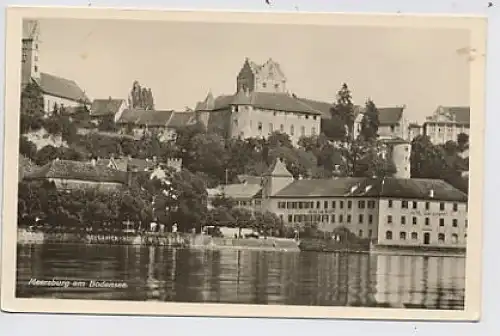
{"points": [[414, 220], [441, 206], [341, 204], [414, 236], [402, 235], [348, 218], [270, 128], [36, 68], [361, 204], [455, 207], [454, 238], [276, 86], [370, 233], [403, 220], [361, 218], [441, 237], [370, 219], [441, 221], [302, 130], [388, 235], [392, 128], [325, 205], [427, 221], [390, 204], [259, 126], [318, 204], [389, 219], [290, 218], [466, 223], [333, 218], [333, 204], [415, 205], [341, 218], [455, 222], [292, 130], [313, 131], [427, 205], [264, 85], [360, 233], [349, 204], [282, 128], [404, 204]]}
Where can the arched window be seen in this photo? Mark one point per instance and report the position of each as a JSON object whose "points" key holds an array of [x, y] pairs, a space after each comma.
{"points": [[454, 238], [441, 237], [402, 235], [388, 235], [414, 235]]}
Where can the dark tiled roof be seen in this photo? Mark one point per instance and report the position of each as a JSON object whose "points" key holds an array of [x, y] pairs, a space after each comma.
{"points": [[461, 114], [130, 116], [61, 87], [180, 119], [262, 100], [390, 115], [104, 107], [77, 170], [154, 118], [320, 106], [368, 187]]}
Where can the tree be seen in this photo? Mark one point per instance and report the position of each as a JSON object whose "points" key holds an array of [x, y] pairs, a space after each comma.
{"points": [[427, 160], [46, 155], [267, 222], [463, 142], [343, 111], [222, 201], [27, 148], [370, 122], [32, 108]]}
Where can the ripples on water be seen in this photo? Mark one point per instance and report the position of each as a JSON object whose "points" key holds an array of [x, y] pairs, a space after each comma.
{"points": [[250, 277]]}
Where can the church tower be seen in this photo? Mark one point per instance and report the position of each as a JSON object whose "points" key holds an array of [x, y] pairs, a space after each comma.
{"points": [[30, 52]]}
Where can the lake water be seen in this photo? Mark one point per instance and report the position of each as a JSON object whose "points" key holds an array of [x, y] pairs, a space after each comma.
{"points": [[248, 277]]}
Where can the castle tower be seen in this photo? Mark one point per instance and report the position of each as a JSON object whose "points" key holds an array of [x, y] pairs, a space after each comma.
{"points": [[399, 151], [275, 179], [267, 77], [30, 52]]}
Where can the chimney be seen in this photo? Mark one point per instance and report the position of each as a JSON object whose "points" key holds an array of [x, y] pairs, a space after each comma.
{"points": [[431, 193]]}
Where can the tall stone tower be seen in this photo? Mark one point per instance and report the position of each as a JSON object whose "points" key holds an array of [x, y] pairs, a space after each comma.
{"points": [[267, 77], [30, 52]]}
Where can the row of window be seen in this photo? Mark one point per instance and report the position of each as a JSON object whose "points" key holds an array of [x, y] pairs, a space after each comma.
{"points": [[414, 236], [308, 218], [454, 221], [282, 128], [406, 205], [326, 204]]}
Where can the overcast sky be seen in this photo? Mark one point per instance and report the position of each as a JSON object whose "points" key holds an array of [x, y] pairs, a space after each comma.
{"points": [[181, 62]]}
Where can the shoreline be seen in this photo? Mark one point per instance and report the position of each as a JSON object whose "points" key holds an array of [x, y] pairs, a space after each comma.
{"points": [[203, 242]]}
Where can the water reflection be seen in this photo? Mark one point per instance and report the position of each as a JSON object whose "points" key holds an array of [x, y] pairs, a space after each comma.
{"points": [[231, 276]]}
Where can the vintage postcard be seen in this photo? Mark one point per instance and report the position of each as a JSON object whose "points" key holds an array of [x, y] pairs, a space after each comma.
{"points": [[206, 163]]}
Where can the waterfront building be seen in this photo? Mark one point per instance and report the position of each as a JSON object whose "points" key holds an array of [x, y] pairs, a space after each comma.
{"points": [[57, 91], [389, 211], [392, 122], [398, 151], [447, 123], [75, 175], [244, 195]]}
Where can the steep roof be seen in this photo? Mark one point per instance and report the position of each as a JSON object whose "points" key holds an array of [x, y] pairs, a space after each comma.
{"points": [[77, 170], [390, 115], [370, 187], [278, 169], [154, 118], [250, 179], [130, 116], [62, 88], [104, 107]]}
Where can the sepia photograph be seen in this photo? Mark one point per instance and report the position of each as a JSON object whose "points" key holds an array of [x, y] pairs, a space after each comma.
{"points": [[243, 164]]}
